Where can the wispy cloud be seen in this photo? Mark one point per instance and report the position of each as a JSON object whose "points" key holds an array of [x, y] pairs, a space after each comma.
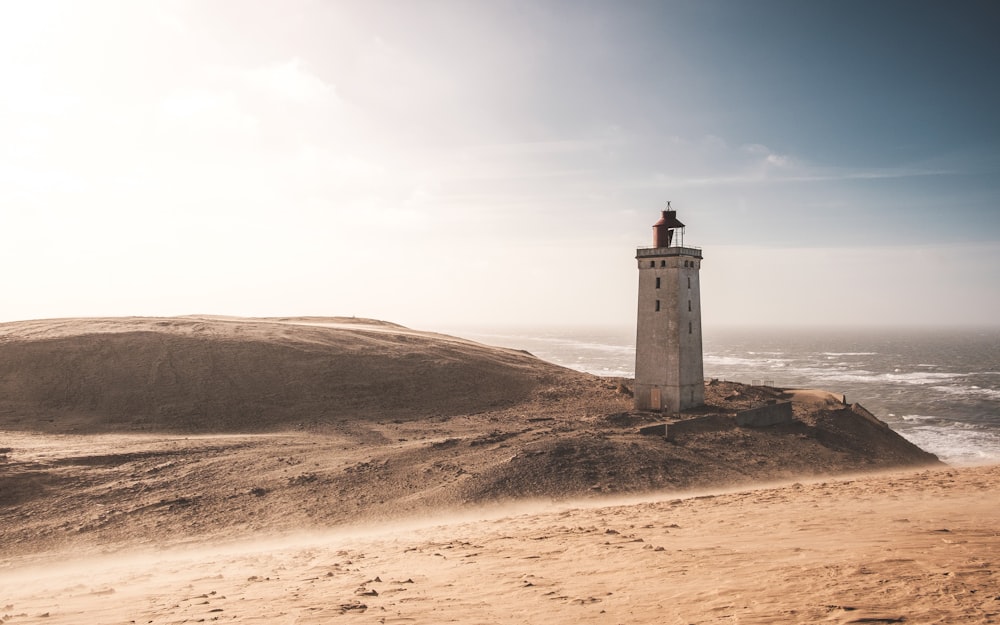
{"points": [[713, 162], [289, 81], [764, 178]]}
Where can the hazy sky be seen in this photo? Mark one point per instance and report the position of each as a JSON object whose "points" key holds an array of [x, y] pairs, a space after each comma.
{"points": [[443, 163]]}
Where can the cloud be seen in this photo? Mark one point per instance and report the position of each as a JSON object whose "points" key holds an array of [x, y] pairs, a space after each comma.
{"points": [[778, 160], [170, 21], [236, 98], [711, 161], [208, 110], [289, 81]]}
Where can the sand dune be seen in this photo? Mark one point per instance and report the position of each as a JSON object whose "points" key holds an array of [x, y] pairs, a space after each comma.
{"points": [[158, 431], [917, 547], [304, 469], [222, 374]]}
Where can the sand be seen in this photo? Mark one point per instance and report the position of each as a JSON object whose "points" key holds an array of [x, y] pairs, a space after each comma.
{"points": [[916, 547], [311, 469]]}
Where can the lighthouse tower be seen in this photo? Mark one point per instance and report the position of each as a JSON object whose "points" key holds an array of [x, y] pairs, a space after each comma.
{"points": [[669, 374]]}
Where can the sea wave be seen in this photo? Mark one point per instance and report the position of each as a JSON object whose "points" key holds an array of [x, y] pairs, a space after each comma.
{"points": [[915, 378], [737, 361], [830, 372], [955, 442], [595, 347], [969, 391], [608, 372], [919, 377], [849, 353], [921, 418]]}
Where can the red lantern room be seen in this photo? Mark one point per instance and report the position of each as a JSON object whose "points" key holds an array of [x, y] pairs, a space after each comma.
{"points": [[663, 230]]}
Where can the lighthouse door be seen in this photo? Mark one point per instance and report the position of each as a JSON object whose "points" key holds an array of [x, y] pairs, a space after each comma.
{"points": [[654, 399]]}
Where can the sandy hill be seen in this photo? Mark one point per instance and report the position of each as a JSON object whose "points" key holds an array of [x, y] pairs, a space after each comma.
{"points": [[151, 430], [217, 374]]}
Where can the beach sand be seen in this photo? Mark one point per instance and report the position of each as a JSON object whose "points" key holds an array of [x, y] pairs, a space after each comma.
{"points": [[921, 546]]}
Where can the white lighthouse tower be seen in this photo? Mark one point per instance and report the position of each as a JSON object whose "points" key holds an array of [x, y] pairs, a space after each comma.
{"points": [[669, 374]]}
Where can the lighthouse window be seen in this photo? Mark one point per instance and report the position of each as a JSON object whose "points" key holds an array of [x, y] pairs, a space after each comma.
{"points": [[689, 282], [657, 305], [689, 327], [652, 263], [663, 263], [657, 283], [689, 305]]}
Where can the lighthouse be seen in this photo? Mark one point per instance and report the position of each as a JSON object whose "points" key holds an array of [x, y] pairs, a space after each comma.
{"points": [[669, 373]]}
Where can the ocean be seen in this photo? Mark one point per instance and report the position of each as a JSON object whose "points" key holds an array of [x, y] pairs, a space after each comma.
{"points": [[939, 388]]}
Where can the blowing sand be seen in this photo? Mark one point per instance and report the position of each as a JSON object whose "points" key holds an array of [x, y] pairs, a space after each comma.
{"points": [[917, 547]]}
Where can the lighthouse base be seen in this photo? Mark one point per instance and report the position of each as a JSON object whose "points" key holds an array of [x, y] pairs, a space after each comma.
{"points": [[669, 398]]}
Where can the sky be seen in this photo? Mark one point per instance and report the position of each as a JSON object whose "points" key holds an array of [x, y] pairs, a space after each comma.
{"points": [[443, 163]]}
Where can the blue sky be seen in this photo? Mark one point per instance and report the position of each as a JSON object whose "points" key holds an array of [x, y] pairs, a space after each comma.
{"points": [[474, 163]]}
